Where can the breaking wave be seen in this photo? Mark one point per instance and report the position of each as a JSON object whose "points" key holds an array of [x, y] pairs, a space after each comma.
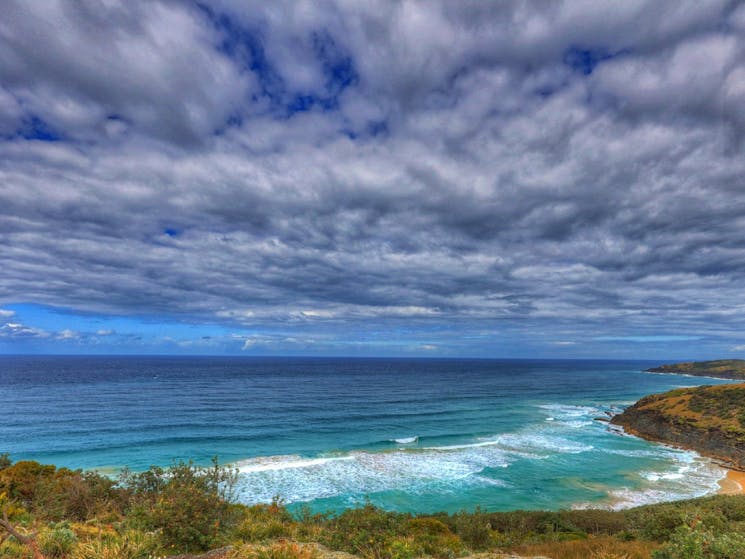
{"points": [[485, 462]]}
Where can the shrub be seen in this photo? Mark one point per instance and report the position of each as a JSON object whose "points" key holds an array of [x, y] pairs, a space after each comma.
{"points": [[251, 530], [57, 542], [265, 522], [309, 526], [427, 525], [403, 548], [524, 523], [602, 547], [277, 550], [732, 507], [20, 480], [432, 537], [366, 531], [592, 521], [130, 545], [11, 549], [690, 543], [188, 504], [657, 523], [474, 529], [57, 494], [288, 550], [75, 495]]}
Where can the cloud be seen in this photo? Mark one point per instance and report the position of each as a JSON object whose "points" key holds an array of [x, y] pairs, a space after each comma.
{"points": [[150, 68], [104, 332], [450, 165], [276, 342], [4, 313], [67, 334], [664, 85], [18, 331], [648, 339]]}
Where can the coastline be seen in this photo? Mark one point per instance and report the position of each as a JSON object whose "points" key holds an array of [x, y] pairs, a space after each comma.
{"points": [[689, 375], [733, 483]]}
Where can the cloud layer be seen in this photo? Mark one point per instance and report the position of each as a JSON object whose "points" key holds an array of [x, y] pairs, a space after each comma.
{"points": [[333, 167]]}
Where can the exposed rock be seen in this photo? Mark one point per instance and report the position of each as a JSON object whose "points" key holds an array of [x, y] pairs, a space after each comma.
{"points": [[707, 419]]}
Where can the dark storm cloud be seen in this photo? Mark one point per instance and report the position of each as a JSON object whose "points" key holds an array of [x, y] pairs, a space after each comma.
{"points": [[322, 163]]}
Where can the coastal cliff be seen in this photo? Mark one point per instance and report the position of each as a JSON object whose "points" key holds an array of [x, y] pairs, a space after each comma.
{"points": [[707, 419], [723, 368]]}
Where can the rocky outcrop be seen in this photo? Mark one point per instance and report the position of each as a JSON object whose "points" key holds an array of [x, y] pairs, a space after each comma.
{"points": [[707, 419], [732, 369]]}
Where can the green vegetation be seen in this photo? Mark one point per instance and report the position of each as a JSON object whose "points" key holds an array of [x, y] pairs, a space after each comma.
{"points": [[703, 407], [701, 543], [708, 419], [64, 514], [722, 368]]}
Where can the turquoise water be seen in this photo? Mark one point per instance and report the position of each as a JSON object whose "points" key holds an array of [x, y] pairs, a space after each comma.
{"points": [[409, 435]]}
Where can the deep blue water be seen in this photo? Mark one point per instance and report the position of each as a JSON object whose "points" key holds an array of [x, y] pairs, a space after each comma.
{"points": [[415, 435]]}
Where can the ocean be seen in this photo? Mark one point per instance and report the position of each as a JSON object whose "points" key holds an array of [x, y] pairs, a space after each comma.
{"points": [[414, 435]]}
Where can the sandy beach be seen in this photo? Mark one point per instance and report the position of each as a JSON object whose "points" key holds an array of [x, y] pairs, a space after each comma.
{"points": [[733, 483]]}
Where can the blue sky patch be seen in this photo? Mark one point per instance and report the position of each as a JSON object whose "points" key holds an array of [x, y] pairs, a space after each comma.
{"points": [[35, 128], [585, 60]]}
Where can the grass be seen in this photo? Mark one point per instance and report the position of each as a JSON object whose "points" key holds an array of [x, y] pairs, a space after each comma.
{"points": [[598, 548], [719, 407]]}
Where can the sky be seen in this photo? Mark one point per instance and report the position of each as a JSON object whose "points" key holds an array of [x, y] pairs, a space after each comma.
{"points": [[401, 178]]}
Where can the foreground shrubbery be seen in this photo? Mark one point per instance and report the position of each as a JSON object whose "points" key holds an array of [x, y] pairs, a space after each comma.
{"points": [[65, 514]]}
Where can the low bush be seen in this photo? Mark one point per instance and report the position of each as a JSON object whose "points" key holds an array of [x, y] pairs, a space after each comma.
{"points": [[57, 494], [265, 522], [474, 529], [277, 550], [188, 504], [701, 543], [57, 542], [11, 549], [366, 531], [597, 548], [129, 545]]}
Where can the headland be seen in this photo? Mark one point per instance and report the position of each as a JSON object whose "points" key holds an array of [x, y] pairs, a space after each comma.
{"points": [[732, 369], [707, 419]]}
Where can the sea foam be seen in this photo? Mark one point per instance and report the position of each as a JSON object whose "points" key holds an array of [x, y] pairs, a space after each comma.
{"points": [[361, 472], [406, 440], [332, 432], [410, 469]]}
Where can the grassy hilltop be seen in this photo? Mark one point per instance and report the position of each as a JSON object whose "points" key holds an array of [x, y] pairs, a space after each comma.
{"points": [[723, 368], [707, 419]]}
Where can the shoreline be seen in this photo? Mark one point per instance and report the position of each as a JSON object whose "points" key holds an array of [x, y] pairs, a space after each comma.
{"points": [[733, 483], [689, 375]]}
